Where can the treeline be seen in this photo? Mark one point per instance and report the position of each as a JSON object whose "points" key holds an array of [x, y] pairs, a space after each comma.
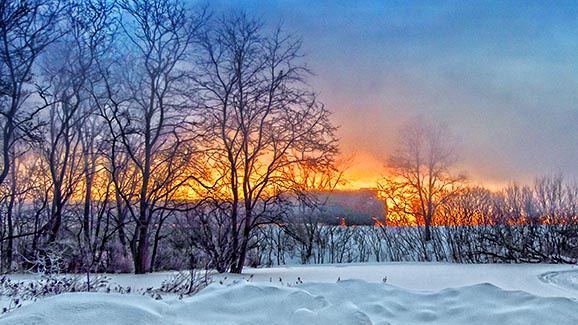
{"points": [[519, 224], [124, 120]]}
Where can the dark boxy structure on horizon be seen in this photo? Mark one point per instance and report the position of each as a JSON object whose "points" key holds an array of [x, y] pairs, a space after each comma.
{"points": [[353, 207]]}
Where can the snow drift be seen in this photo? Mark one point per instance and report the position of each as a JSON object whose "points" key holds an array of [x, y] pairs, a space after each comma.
{"points": [[343, 302]]}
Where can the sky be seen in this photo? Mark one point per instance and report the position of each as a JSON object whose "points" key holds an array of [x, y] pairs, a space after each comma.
{"points": [[502, 75]]}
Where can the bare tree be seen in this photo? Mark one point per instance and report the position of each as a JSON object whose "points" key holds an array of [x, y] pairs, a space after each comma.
{"points": [[91, 35], [70, 71], [149, 119], [10, 193], [26, 28], [261, 117], [464, 216], [551, 198], [420, 172]]}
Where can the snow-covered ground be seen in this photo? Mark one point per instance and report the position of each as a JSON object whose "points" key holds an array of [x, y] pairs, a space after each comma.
{"points": [[413, 293]]}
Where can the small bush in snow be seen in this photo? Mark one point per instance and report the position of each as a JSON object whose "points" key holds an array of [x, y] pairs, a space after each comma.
{"points": [[22, 291], [187, 282]]}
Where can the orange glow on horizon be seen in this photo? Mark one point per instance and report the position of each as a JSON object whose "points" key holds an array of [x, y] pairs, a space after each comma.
{"points": [[363, 171]]}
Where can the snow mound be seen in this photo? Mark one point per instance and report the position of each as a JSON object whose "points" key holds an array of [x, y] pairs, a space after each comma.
{"points": [[344, 302], [88, 308], [249, 303], [477, 304]]}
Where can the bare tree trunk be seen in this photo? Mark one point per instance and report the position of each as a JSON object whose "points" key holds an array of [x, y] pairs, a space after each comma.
{"points": [[9, 251], [133, 244], [158, 236], [246, 236], [235, 235], [87, 209], [155, 248], [142, 250], [55, 216], [427, 231]]}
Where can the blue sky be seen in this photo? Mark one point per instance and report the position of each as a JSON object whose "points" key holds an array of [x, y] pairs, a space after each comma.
{"points": [[503, 75]]}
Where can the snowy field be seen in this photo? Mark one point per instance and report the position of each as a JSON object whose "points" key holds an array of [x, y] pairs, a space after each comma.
{"points": [[390, 293]]}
